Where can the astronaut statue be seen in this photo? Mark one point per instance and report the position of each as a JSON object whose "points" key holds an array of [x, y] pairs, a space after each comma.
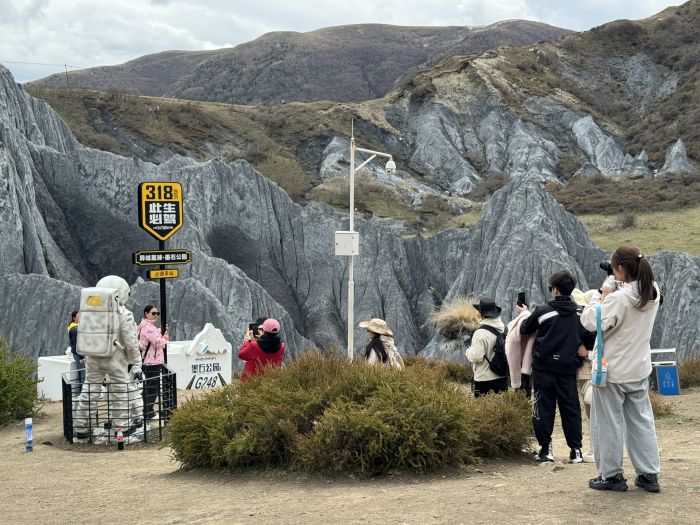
{"points": [[107, 337]]}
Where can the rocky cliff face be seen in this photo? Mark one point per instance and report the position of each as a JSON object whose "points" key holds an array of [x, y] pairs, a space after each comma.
{"points": [[69, 217]]}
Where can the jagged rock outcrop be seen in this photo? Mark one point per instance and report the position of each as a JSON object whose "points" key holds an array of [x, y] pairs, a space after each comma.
{"points": [[255, 251], [676, 160]]}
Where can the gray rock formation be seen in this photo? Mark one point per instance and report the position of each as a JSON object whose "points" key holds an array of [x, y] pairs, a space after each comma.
{"points": [[645, 82], [69, 217], [676, 160]]}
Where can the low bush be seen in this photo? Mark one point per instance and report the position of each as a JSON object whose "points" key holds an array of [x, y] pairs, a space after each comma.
{"points": [[457, 372], [330, 415], [627, 220], [689, 372], [17, 385]]}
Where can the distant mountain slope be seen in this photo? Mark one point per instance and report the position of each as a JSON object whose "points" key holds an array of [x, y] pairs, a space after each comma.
{"points": [[149, 75], [345, 63]]}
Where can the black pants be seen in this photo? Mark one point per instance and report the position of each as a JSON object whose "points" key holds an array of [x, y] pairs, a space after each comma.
{"points": [[481, 388], [526, 384], [151, 388], [551, 389]]}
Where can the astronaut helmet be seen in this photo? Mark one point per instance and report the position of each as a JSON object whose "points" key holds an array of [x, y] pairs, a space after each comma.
{"points": [[114, 281]]}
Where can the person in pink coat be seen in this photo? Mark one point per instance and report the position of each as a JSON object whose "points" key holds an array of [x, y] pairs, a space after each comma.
{"points": [[152, 344], [519, 354]]}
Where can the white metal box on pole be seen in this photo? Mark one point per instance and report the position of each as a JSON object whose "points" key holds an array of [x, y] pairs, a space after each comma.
{"points": [[347, 243]]}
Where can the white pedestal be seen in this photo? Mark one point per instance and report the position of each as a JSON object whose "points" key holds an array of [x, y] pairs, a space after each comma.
{"points": [[50, 370], [202, 363]]}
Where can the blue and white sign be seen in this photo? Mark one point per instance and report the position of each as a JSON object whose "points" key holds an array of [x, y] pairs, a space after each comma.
{"points": [[667, 379]]}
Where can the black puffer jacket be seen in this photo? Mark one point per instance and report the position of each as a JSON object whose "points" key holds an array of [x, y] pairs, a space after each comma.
{"points": [[559, 334]]}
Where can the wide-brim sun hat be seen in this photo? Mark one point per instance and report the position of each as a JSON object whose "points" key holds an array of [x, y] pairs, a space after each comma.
{"points": [[378, 326], [487, 307]]}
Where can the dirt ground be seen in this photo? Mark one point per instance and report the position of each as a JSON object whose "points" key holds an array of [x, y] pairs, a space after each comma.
{"points": [[61, 483]]}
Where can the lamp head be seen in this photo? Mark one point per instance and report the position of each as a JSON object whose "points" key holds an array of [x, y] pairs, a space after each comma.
{"points": [[390, 167]]}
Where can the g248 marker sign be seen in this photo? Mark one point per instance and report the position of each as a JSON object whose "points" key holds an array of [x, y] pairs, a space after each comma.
{"points": [[160, 208]]}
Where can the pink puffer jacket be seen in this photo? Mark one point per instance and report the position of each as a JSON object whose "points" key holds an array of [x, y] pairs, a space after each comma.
{"points": [[147, 333], [519, 350]]}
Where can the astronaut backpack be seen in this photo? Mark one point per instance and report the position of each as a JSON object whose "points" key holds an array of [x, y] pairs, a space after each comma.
{"points": [[98, 331]]}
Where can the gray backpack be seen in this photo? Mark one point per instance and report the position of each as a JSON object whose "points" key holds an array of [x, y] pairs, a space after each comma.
{"points": [[98, 331]]}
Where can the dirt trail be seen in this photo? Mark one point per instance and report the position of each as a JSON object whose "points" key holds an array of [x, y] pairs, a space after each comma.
{"points": [[60, 484]]}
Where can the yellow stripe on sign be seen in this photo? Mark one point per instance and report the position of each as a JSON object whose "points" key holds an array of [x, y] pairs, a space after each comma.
{"points": [[170, 273]]}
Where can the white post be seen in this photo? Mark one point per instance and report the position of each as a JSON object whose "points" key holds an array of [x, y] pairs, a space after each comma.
{"points": [[351, 276]]}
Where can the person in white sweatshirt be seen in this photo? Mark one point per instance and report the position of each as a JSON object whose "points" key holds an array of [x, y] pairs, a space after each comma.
{"points": [[621, 410], [480, 352]]}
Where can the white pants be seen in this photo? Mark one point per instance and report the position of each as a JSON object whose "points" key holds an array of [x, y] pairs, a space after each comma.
{"points": [[97, 369], [621, 413]]}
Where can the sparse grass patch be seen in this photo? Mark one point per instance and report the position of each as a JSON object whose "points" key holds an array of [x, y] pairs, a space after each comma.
{"points": [[689, 372], [330, 415], [654, 231], [660, 405], [456, 318]]}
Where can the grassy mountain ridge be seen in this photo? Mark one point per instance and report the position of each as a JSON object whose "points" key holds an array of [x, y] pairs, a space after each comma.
{"points": [[636, 80], [343, 63]]}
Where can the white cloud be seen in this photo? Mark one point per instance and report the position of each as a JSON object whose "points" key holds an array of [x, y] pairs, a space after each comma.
{"points": [[89, 32]]}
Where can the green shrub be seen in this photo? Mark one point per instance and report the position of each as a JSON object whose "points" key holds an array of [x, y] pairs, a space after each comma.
{"points": [[689, 372], [327, 414], [457, 372], [17, 385], [503, 423]]}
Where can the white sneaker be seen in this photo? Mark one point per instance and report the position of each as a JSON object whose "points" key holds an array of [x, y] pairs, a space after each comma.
{"points": [[575, 456], [588, 457]]}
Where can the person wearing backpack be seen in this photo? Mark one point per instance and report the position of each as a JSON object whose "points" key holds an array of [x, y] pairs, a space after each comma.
{"points": [[555, 361], [107, 337], [487, 351]]}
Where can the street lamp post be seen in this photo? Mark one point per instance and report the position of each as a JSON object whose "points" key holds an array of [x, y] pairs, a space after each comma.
{"points": [[347, 243]]}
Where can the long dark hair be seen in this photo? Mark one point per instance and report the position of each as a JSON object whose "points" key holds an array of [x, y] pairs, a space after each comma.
{"points": [[148, 308], [630, 258], [269, 342], [376, 345]]}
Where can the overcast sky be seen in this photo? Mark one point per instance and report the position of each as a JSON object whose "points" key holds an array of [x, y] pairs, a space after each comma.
{"points": [[87, 33]]}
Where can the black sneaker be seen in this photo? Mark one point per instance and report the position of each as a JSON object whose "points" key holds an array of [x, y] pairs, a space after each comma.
{"points": [[648, 482], [617, 483], [545, 454], [575, 456]]}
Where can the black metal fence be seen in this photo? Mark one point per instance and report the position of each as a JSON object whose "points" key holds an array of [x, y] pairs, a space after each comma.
{"points": [[140, 409]]}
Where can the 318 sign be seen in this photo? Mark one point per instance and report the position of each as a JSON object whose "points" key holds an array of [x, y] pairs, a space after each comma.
{"points": [[160, 208]]}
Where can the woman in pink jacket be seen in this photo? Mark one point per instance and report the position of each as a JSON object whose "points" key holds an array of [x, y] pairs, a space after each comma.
{"points": [[152, 343]]}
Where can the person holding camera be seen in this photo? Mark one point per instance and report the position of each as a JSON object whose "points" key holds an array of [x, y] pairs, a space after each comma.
{"points": [[621, 410], [266, 349], [555, 361]]}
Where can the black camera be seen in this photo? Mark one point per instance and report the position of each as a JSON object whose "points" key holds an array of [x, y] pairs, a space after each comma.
{"points": [[606, 266], [254, 327]]}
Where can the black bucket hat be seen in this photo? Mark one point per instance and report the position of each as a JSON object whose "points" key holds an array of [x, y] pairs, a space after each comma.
{"points": [[487, 307]]}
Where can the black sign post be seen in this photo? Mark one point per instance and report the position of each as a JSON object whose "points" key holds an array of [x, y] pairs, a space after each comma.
{"points": [[161, 215]]}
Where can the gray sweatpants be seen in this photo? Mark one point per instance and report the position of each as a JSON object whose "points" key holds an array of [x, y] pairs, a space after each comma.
{"points": [[621, 413]]}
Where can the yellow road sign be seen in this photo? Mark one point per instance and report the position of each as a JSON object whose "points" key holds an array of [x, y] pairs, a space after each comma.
{"points": [[160, 208], [170, 273]]}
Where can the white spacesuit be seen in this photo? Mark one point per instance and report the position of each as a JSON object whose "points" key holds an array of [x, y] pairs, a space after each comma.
{"points": [[115, 366]]}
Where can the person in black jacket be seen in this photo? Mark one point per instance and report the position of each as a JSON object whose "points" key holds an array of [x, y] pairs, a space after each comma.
{"points": [[79, 377], [555, 361]]}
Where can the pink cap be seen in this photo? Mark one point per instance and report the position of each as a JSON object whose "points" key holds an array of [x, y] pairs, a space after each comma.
{"points": [[271, 326]]}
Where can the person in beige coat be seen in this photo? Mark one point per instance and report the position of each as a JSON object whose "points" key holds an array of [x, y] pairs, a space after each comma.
{"points": [[621, 411], [480, 352]]}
